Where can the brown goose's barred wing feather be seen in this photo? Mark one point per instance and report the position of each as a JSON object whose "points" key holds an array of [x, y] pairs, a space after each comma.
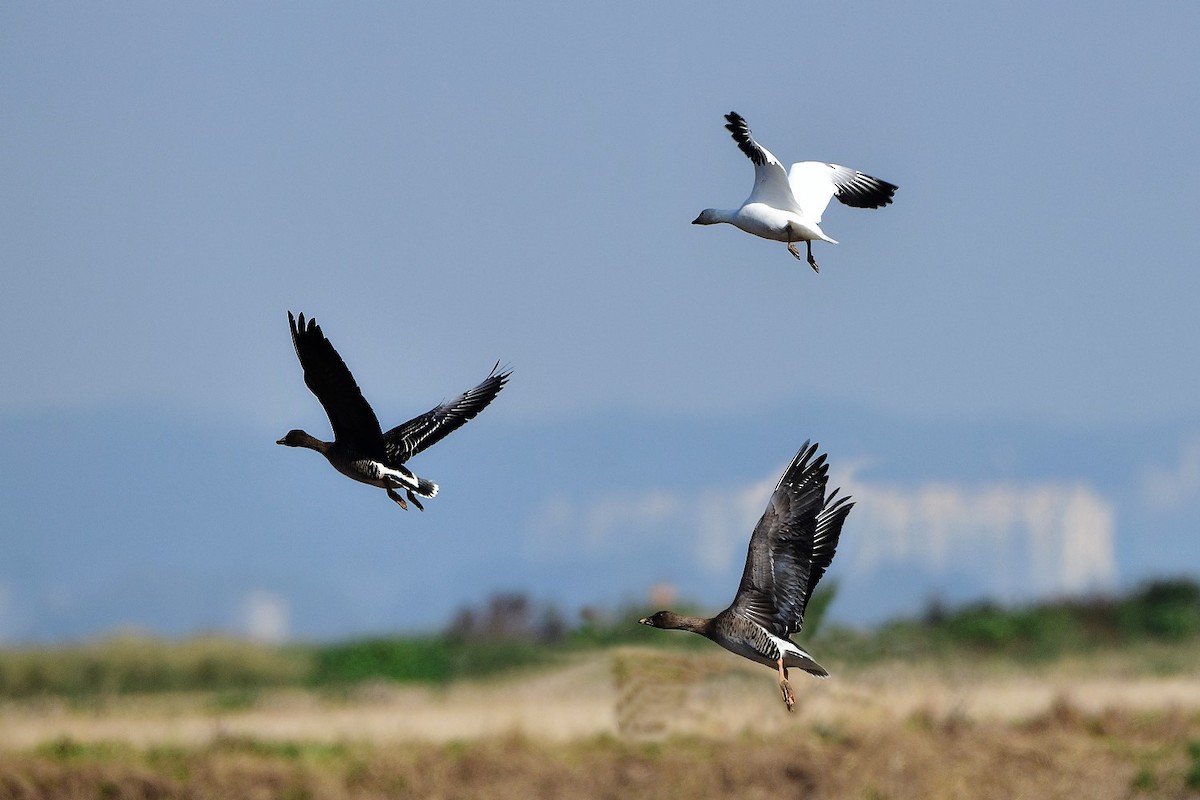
{"points": [[405, 441], [325, 373], [825, 540]]}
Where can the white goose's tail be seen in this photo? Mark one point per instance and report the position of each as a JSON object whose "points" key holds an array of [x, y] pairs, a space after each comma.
{"points": [[820, 234]]}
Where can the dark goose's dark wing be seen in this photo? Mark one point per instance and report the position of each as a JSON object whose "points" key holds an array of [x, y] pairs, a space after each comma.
{"points": [[328, 377], [405, 441], [791, 546]]}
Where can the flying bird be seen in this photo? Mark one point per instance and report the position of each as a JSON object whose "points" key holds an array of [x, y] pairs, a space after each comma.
{"points": [[360, 449], [790, 549], [787, 206]]}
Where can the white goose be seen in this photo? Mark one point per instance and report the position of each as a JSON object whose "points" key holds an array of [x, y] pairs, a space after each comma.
{"points": [[787, 206]]}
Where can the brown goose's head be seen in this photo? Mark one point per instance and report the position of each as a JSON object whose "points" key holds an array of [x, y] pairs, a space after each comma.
{"points": [[298, 438], [669, 620]]}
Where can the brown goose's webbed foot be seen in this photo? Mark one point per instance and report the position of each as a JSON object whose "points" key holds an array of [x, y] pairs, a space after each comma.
{"points": [[399, 500], [812, 262], [785, 688], [789, 697], [413, 499], [792, 249]]}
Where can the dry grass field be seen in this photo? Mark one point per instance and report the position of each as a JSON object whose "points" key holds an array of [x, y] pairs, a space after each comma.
{"points": [[634, 723]]}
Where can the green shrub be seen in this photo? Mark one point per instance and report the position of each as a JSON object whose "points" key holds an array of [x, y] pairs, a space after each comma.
{"points": [[423, 659], [1160, 611], [129, 664], [1192, 778]]}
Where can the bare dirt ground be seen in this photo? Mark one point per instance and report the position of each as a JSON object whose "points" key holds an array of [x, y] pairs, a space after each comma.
{"points": [[633, 723]]}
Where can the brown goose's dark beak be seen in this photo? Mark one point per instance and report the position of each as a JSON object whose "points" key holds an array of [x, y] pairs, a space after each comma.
{"points": [[280, 441], [644, 621]]}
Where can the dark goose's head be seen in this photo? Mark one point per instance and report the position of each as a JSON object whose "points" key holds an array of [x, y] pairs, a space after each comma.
{"points": [[298, 438]]}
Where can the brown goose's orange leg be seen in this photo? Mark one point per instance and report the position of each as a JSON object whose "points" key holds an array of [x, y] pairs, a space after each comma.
{"points": [[786, 688]]}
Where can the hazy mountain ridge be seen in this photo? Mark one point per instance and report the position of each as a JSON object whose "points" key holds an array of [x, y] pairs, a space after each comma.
{"points": [[137, 518]]}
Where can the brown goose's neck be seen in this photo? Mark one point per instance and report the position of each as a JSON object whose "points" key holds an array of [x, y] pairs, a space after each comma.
{"points": [[670, 620], [304, 439], [702, 625]]}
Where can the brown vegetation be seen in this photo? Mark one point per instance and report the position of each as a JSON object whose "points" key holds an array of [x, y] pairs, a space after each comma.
{"points": [[1063, 753], [633, 723]]}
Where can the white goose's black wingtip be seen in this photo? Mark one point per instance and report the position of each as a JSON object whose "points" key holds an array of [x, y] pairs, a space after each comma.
{"points": [[863, 191], [736, 125]]}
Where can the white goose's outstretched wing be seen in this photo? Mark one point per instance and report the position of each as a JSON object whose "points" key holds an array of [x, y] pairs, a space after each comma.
{"points": [[771, 185], [815, 183]]}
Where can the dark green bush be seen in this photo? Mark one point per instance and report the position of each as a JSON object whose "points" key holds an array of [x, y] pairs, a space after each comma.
{"points": [[1164, 610]]}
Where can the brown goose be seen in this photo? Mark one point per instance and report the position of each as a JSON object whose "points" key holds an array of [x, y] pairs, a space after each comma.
{"points": [[787, 206], [790, 549], [360, 449]]}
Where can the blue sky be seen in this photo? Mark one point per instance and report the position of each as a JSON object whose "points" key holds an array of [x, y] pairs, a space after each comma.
{"points": [[443, 187]]}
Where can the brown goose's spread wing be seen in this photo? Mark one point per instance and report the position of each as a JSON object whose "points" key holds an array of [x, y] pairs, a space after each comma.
{"points": [[791, 546], [328, 377], [405, 441]]}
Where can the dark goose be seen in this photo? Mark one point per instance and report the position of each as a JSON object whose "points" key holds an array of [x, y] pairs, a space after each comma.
{"points": [[360, 449], [790, 549]]}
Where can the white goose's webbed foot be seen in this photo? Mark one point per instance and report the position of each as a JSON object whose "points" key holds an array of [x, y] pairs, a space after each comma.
{"points": [[812, 262], [792, 249], [399, 500]]}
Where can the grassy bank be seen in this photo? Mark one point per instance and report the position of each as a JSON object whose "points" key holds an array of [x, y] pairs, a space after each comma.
{"points": [[1160, 620]]}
